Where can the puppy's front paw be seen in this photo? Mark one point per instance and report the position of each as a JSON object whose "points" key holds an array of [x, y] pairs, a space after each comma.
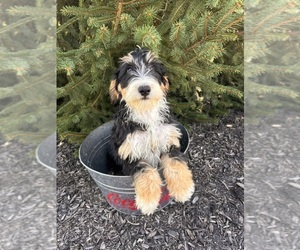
{"points": [[125, 149], [178, 177], [147, 183], [175, 135]]}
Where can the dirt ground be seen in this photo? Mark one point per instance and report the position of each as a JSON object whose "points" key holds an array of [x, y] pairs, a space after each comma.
{"points": [[212, 219]]}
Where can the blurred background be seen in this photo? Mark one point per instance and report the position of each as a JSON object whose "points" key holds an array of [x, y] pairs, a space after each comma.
{"points": [[27, 118]]}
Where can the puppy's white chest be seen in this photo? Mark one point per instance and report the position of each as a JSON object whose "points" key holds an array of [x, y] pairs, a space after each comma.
{"points": [[150, 144]]}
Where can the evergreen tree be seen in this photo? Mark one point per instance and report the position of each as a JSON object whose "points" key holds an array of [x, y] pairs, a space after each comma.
{"points": [[27, 69], [200, 43], [272, 56]]}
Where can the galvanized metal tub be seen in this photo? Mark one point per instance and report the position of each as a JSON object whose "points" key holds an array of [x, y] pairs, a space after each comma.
{"points": [[118, 190], [46, 153]]}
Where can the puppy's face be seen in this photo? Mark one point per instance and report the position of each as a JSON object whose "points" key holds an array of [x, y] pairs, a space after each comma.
{"points": [[140, 80]]}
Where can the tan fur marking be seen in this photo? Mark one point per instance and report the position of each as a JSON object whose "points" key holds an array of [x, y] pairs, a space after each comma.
{"points": [[147, 185], [122, 91], [140, 106], [114, 95], [124, 150], [127, 59], [178, 177], [150, 57], [165, 87]]}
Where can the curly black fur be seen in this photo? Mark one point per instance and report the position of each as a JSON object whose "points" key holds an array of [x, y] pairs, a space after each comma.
{"points": [[122, 127]]}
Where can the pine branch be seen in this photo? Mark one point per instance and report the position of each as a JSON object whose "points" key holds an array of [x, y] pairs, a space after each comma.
{"points": [[147, 36], [236, 21], [174, 15], [29, 39], [261, 89], [291, 20], [34, 12], [229, 12], [221, 89], [118, 16], [86, 12], [66, 24], [130, 2], [16, 24], [177, 32], [271, 15]]}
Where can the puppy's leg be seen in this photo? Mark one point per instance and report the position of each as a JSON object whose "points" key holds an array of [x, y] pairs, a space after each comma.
{"points": [[125, 150], [178, 177], [147, 184]]}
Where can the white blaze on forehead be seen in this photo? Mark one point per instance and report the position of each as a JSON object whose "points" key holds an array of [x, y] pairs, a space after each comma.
{"points": [[142, 70]]}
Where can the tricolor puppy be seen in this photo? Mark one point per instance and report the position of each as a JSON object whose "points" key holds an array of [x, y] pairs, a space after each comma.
{"points": [[144, 137]]}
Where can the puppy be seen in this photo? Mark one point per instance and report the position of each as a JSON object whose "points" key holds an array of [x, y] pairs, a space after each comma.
{"points": [[144, 136]]}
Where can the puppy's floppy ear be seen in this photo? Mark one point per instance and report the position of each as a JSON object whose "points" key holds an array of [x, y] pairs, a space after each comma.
{"points": [[161, 73], [114, 95], [165, 84]]}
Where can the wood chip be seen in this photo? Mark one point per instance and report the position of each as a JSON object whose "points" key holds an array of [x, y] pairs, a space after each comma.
{"points": [[173, 233], [240, 185], [276, 125], [296, 185], [196, 198]]}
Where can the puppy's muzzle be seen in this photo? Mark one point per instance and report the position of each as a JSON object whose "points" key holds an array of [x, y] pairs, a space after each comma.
{"points": [[144, 90]]}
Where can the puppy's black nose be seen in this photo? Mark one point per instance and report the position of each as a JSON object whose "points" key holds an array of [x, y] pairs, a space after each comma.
{"points": [[144, 90]]}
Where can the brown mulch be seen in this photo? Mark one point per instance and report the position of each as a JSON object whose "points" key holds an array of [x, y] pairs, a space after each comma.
{"points": [[212, 219]]}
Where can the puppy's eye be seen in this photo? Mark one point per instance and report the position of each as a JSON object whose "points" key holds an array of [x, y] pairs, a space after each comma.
{"points": [[129, 70]]}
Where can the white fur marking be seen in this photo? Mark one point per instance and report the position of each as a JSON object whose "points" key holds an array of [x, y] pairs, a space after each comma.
{"points": [[150, 144]]}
